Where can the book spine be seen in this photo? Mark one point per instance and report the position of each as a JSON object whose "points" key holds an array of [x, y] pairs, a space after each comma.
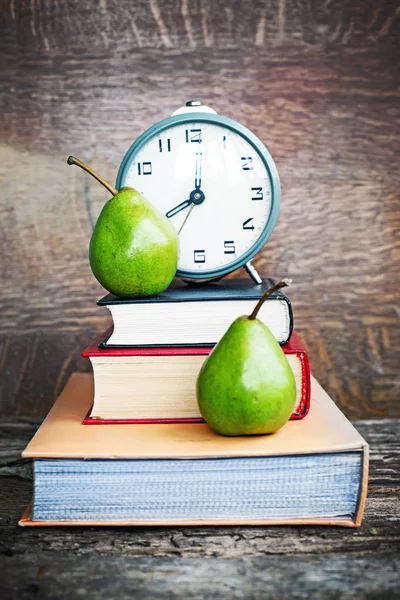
{"points": [[304, 405], [363, 487]]}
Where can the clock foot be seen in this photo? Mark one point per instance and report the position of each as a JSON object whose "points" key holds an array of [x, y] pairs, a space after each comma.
{"points": [[253, 273]]}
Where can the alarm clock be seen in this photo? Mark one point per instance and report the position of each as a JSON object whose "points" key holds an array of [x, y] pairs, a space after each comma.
{"points": [[215, 181]]}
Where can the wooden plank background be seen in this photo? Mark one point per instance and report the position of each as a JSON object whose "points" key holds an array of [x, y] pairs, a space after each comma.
{"points": [[316, 80]]}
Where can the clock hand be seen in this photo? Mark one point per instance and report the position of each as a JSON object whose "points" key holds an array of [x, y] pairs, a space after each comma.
{"points": [[186, 218], [196, 196], [197, 177], [178, 208]]}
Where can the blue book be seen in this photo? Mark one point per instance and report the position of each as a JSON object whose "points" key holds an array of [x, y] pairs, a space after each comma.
{"points": [[313, 471]]}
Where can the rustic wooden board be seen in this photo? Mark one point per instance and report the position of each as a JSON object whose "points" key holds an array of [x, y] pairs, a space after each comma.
{"points": [[266, 577], [317, 82], [208, 562]]}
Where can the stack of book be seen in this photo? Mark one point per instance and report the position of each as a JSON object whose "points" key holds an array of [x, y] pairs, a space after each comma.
{"points": [[145, 367], [129, 446]]}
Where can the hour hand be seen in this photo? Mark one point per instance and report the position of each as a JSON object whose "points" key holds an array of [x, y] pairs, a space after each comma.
{"points": [[178, 208]]}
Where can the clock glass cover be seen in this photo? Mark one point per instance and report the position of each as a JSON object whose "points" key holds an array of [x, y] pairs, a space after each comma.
{"points": [[216, 184]]}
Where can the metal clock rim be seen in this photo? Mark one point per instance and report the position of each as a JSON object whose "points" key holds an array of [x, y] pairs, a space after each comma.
{"points": [[262, 152]]}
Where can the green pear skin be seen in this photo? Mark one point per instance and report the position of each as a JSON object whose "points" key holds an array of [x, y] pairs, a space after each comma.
{"points": [[133, 251], [246, 385]]}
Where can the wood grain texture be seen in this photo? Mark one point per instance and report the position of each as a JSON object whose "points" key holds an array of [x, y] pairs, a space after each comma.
{"points": [[318, 82], [206, 562], [266, 578]]}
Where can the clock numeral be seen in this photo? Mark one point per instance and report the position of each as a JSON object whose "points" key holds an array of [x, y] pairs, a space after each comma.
{"points": [[247, 163], [199, 256], [229, 247], [160, 145], [246, 224], [258, 193], [144, 168], [193, 135]]}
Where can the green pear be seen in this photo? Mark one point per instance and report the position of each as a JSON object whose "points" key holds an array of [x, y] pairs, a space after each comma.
{"points": [[246, 385], [133, 251]]}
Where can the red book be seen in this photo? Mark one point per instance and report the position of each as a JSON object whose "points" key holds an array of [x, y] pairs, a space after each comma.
{"points": [[157, 385]]}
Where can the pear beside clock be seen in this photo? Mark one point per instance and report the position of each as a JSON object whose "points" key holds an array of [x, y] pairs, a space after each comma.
{"points": [[215, 181], [246, 385], [133, 251]]}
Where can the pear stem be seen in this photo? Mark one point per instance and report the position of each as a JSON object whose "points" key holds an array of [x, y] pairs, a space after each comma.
{"points": [[75, 161], [267, 294]]}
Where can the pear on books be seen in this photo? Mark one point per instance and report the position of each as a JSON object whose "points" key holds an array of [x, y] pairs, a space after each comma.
{"points": [[246, 385], [133, 251]]}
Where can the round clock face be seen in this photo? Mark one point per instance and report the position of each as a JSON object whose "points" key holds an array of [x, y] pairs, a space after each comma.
{"points": [[213, 184]]}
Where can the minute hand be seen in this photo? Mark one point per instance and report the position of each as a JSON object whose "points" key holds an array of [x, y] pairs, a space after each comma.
{"points": [[178, 208], [197, 177]]}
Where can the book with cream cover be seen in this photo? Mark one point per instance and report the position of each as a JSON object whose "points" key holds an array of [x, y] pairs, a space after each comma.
{"points": [[158, 384], [312, 471], [197, 314]]}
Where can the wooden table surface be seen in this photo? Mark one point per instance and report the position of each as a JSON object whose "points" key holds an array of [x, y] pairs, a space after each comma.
{"points": [[207, 562]]}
